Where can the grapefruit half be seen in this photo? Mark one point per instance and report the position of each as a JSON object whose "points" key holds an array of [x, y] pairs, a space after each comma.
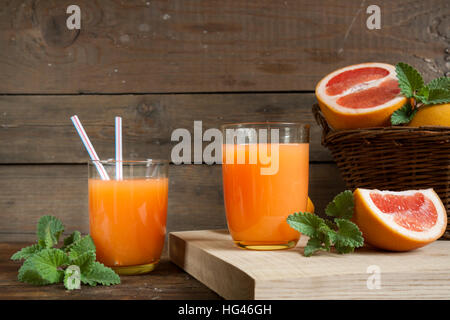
{"points": [[360, 96], [399, 221]]}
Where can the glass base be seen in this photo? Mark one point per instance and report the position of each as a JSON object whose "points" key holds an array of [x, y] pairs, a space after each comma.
{"points": [[135, 270], [265, 245]]}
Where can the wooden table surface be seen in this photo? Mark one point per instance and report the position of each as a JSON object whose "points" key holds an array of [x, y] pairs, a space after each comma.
{"points": [[250, 274], [166, 282]]}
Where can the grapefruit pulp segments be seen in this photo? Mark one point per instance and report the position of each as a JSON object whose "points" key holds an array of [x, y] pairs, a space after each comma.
{"points": [[350, 78], [371, 97], [413, 212]]}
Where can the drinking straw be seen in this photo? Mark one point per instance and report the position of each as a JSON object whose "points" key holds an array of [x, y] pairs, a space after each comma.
{"points": [[119, 171], [90, 149]]}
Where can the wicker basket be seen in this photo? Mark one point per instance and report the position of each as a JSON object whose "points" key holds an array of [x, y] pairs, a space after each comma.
{"points": [[392, 158]]}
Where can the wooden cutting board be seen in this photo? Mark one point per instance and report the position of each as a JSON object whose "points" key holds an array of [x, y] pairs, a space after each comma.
{"points": [[211, 257]]}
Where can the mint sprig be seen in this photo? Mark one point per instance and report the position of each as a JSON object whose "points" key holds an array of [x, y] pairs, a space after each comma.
{"points": [[341, 206], [409, 79], [323, 234], [49, 230], [412, 86], [44, 264], [403, 115]]}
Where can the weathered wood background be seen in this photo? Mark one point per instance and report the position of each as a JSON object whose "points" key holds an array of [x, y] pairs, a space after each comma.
{"points": [[163, 64]]}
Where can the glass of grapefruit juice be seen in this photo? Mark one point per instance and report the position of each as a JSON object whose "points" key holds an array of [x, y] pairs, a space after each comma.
{"points": [[260, 194], [127, 217]]}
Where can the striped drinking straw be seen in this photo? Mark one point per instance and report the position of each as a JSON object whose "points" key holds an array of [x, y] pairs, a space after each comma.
{"points": [[90, 149], [119, 167]]}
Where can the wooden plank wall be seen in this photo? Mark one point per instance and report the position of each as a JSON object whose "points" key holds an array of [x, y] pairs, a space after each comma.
{"points": [[162, 65]]}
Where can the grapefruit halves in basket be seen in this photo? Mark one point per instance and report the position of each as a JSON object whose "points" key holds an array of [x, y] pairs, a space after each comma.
{"points": [[399, 221], [360, 96]]}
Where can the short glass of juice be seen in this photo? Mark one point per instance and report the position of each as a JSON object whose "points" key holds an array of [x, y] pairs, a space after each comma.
{"points": [[127, 215], [265, 168]]}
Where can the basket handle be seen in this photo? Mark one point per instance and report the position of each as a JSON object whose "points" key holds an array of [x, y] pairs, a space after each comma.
{"points": [[320, 119]]}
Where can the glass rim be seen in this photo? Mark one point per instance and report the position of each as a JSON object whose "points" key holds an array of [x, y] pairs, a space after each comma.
{"points": [[262, 123], [146, 161]]}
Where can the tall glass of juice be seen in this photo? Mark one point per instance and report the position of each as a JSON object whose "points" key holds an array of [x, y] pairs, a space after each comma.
{"points": [[265, 179], [127, 215]]}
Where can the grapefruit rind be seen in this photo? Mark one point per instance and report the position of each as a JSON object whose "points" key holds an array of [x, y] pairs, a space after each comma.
{"points": [[340, 117]]}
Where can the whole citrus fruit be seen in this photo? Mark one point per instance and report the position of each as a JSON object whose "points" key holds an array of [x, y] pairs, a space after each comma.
{"points": [[434, 115]]}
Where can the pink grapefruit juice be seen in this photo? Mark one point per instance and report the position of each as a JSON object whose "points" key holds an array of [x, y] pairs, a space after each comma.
{"points": [[128, 220], [257, 205]]}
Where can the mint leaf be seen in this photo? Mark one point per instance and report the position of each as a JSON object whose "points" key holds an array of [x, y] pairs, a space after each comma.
{"points": [[69, 240], [409, 79], [72, 278], [313, 246], [342, 249], [437, 96], [29, 274], [347, 237], [440, 83], [86, 280], [98, 273], [82, 253], [49, 241], [314, 227], [84, 261], [26, 252], [48, 263], [403, 115], [423, 94], [330, 224], [306, 223], [49, 230], [324, 237], [81, 246], [341, 206]]}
